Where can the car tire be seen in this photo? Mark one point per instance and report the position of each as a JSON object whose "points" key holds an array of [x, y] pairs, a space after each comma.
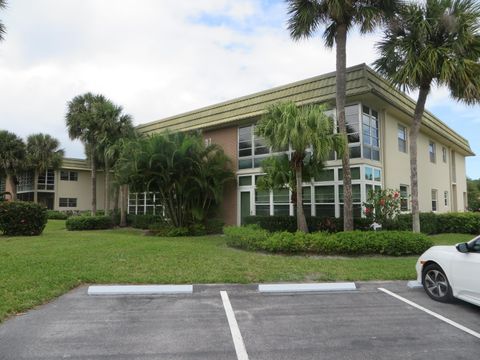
{"points": [[436, 283]]}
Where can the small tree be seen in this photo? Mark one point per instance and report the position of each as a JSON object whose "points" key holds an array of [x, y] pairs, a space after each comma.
{"points": [[382, 205], [310, 134], [12, 157]]}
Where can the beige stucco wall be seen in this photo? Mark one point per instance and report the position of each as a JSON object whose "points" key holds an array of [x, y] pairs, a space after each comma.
{"points": [[81, 190], [227, 139], [430, 175]]}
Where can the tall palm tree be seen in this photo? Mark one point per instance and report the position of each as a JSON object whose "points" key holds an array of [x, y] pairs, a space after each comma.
{"points": [[301, 128], [12, 157], [84, 122], [436, 42], [115, 126], [3, 5], [43, 153], [338, 17]]}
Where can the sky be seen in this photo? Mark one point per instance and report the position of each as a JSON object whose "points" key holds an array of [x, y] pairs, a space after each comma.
{"points": [[159, 58]]}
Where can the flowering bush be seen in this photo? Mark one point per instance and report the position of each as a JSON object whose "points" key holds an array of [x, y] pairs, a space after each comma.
{"points": [[382, 205]]}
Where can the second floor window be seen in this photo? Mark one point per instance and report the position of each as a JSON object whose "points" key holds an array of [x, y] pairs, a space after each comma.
{"points": [[251, 148], [68, 175], [371, 142], [432, 150], [402, 138]]}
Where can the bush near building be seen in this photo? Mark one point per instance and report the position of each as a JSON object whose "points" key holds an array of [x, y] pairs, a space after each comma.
{"points": [[56, 215], [391, 243], [18, 218], [99, 222]]}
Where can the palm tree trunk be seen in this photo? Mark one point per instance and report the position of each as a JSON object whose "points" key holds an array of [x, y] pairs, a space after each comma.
{"points": [[341, 94], [94, 181], [11, 187], [116, 195], [123, 206], [301, 221], [414, 131], [107, 188]]}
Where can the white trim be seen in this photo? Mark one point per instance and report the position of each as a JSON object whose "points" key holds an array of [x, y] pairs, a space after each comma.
{"points": [[240, 349]]}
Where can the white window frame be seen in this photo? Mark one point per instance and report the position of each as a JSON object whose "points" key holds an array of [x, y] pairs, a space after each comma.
{"points": [[434, 195], [404, 129], [432, 151]]}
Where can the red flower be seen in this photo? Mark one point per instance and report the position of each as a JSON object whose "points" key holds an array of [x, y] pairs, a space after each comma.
{"points": [[396, 195], [382, 202]]}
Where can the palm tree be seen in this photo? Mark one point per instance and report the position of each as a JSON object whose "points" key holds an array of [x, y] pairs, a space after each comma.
{"points": [[115, 126], [338, 17], [84, 123], [437, 42], [12, 157], [301, 128], [3, 5], [43, 153]]}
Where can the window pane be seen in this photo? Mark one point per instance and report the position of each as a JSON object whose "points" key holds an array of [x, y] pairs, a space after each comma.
{"points": [[376, 155], [306, 195], [355, 152], [377, 175], [262, 210], [281, 210], [368, 173], [325, 194], [262, 196], [355, 173], [353, 138], [325, 210], [245, 180], [356, 193], [244, 163], [281, 196], [245, 152], [325, 175]]}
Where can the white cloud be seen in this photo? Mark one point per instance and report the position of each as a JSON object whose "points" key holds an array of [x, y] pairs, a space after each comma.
{"points": [[156, 58]]}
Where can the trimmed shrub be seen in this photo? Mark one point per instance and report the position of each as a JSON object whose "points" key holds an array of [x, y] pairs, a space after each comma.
{"points": [[392, 243], [19, 218], [214, 226], [56, 215], [467, 223], [168, 230], [76, 223], [250, 237]]}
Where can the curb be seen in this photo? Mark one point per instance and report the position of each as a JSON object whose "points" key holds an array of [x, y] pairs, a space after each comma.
{"points": [[139, 289], [414, 284], [306, 287]]}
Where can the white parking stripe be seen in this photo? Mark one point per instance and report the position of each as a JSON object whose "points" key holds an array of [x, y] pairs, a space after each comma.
{"points": [[234, 329], [434, 314]]}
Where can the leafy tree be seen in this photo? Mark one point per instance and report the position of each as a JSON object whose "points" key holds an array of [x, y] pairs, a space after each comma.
{"points": [[310, 134], [85, 122], [473, 190], [338, 17], [435, 42], [3, 5], [188, 176], [12, 156], [43, 153]]}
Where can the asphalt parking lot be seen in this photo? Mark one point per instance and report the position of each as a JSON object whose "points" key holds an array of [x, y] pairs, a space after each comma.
{"points": [[363, 324]]}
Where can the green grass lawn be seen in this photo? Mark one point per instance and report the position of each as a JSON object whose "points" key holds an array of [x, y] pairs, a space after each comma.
{"points": [[34, 270]]}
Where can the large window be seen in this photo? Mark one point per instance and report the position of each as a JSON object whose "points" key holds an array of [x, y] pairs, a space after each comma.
{"points": [[144, 203], [402, 138], [251, 148], [432, 151], [46, 180], [67, 202], [25, 181], [325, 200], [371, 142], [66, 175]]}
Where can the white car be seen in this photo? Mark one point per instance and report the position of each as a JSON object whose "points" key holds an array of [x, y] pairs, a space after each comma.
{"points": [[448, 272]]}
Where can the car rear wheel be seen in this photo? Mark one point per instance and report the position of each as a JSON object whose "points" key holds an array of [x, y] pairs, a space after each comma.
{"points": [[436, 284]]}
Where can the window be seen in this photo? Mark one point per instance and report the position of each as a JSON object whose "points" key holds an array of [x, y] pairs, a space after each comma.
{"points": [[356, 200], [454, 169], [371, 143], [402, 138], [46, 180], [355, 173], [403, 197], [445, 198], [444, 154], [208, 141], [434, 200], [281, 202], [67, 202], [432, 150], [25, 181], [326, 175], [307, 200], [325, 201], [2, 184], [144, 203], [373, 174], [245, 180], [66, 175], [252, 150], [262, 202], [352, 123]]}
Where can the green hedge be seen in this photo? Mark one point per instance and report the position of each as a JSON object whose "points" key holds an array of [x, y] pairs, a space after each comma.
{"points": [[289, 223], [56, 215], [74, 223], [18, 218], [392, 243]]}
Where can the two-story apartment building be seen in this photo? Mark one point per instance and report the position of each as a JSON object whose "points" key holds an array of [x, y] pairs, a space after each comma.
{"points": [[68, 188], [378, 119]]}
